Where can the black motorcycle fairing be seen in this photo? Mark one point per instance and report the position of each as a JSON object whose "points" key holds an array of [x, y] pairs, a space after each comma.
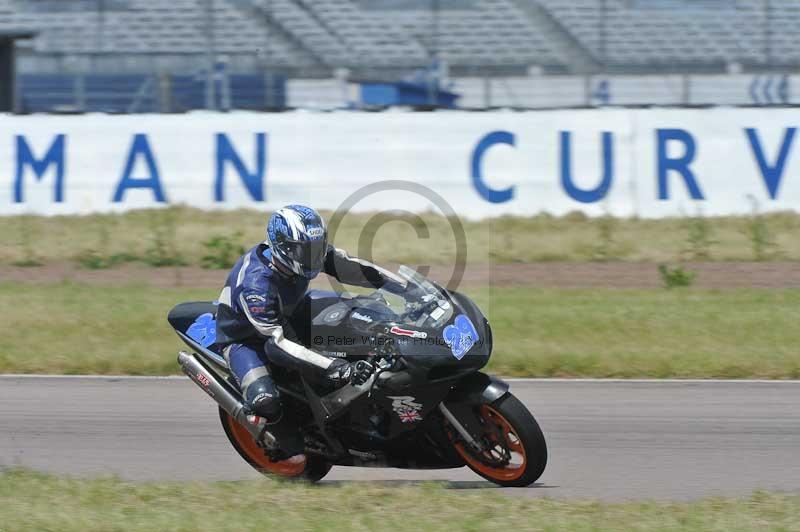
{"points": [[482, 350], [367, 431], [432, 360], [373, 424], [339, 325]]}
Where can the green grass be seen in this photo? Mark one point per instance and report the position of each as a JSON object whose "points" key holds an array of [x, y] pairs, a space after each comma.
{"points": [[176, 235], [88, 328], [30, 501], [654, 333]]}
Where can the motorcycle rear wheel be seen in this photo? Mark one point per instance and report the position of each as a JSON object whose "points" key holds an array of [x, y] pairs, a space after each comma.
{"points": [[516, 453], [302, 467]]}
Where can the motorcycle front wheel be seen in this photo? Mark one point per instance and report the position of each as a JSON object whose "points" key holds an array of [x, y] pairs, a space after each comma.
{"points": [[514, 450], [309, 468]]}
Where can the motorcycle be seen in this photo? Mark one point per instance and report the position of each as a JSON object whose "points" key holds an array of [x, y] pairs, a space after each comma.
{"points": [[426, 405]]}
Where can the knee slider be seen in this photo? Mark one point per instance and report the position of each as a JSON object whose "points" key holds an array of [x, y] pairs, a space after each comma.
{"points": [[263, 399]]}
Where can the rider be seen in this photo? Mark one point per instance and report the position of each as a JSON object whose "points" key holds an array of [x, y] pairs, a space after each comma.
{"points": [[263, 289]]}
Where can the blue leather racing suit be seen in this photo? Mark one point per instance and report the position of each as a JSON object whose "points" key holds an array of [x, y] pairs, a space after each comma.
{"points": [[251, 318]]}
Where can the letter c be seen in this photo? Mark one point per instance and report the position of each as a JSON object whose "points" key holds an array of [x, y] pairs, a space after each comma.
{"points": [[492, 195]]}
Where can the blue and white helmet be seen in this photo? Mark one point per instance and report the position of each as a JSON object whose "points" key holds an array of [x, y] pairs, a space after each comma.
{"points": [[299, 239]]}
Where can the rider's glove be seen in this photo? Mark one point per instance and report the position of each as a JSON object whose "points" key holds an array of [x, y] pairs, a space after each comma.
{"points": [[341, 372]]}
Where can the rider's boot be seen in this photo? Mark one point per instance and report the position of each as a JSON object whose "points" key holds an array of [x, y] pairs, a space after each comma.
{"points": [[278, 432]]}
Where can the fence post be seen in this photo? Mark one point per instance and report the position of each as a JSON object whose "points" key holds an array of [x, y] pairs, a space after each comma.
{"points": [[342, 75], [16, 95], [165, 92], [224, 86], [687, 89], [267, 89], [80, 92], [587, 90]]}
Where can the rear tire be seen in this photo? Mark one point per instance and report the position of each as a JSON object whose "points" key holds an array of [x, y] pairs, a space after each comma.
{"points": [[302, 467], [521, 438]]}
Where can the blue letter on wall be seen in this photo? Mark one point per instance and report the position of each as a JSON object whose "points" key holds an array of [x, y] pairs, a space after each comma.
{"points": [[55, 155], [140, 146], [680, 164], [597, 193], [255, 181], [491, 195], [772, 174]]}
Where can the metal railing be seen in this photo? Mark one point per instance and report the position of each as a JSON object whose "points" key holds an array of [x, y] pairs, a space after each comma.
{"points": [[148, 93], [71, 93]]}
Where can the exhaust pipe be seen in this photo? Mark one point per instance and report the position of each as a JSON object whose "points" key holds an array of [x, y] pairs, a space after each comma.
{"points": [[223, 394]]}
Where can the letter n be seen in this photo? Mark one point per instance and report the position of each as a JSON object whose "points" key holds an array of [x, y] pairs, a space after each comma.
{"points": [[253, 181]]}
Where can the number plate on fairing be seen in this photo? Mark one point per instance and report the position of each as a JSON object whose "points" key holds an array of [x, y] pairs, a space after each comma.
{"points": [[461, 336]]}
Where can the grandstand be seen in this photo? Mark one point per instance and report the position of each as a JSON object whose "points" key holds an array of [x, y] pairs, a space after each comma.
{"points": [[389, 39], [700, 34]]}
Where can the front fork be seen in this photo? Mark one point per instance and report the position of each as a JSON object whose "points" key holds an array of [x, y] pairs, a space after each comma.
{"points": [[461, 429], [475, 390]]}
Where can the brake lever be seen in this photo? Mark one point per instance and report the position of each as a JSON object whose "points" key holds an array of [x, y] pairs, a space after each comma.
{"points": [[380, 368], [374, 381]]}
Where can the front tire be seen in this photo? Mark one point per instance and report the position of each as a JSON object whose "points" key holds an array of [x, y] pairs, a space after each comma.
{"points": [[301, 467], [516, 451]]}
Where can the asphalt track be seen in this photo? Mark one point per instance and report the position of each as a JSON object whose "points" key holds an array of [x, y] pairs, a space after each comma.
{"points": [[611, 440]]}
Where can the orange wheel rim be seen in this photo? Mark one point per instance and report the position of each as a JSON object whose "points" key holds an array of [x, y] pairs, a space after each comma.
{"points": [[515, 467], [291, 467]]}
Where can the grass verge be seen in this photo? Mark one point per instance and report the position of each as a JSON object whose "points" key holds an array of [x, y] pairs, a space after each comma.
{"points": [[71, 328], [30, 501], [182, 235]]}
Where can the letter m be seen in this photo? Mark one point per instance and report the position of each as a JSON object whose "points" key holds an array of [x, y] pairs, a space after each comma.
{"points": [[25, 158]]}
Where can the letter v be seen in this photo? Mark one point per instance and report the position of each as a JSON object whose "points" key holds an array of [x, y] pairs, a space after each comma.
{"points": [[772, 174]]}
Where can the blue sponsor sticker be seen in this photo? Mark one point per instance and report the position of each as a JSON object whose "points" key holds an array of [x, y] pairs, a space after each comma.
{"points": [[461, 336], [203, 330]]}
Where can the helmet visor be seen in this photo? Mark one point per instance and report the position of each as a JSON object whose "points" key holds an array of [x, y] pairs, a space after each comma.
{"points": [[309, 254]]}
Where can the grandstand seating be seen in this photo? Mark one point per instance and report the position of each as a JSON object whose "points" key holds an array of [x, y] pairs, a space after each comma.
{"points": [[304, 35], [486, 32], [674, 32], [292, 34]]}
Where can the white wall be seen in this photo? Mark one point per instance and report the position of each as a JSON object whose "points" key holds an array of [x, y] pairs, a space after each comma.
{"points": [[322, 158]]}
